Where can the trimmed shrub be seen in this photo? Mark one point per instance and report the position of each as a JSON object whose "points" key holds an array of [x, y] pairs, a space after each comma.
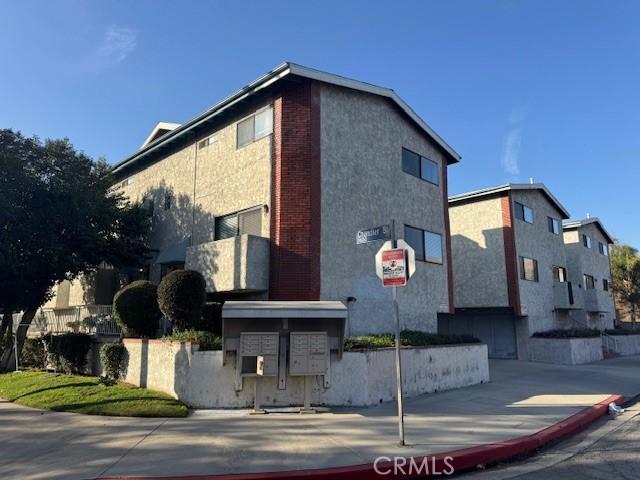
{"points": [[408, 338], [34, 353], [181, 296], [112, 356], [568, 333], [622, 331], [206, 340], [135, 309], [68, 352], [211, 318]]}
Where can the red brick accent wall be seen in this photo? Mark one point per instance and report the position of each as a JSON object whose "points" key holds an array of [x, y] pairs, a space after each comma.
{"points": [[510, 256], [295, 194], [447, 236]]}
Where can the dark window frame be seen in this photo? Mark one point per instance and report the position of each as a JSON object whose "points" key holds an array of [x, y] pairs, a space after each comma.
{"points": [[420, 160], [557, 277], [586, 240], [585, 279], [523, 272], [605, 284], [520, 212], [603, 249], [551, 225], [421, 254]]}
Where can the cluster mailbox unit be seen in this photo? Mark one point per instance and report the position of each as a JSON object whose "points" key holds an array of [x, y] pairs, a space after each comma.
{"points": [[280, 339]]}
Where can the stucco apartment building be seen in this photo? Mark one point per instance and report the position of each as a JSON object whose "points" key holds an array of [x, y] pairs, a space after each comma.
{"points": [[264, 193], [509, 266], [587, 246]]}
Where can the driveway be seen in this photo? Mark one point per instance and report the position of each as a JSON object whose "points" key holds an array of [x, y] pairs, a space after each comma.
{"points": [[521, 399]]}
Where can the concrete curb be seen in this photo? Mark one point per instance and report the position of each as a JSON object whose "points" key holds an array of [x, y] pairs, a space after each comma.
{"points": [[461, 460]]}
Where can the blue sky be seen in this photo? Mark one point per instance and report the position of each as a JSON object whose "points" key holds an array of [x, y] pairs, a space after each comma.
{"points": [[542, 89]]}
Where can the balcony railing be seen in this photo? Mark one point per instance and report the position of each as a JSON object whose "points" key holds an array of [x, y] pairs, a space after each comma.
{"points": [[90, 319]]}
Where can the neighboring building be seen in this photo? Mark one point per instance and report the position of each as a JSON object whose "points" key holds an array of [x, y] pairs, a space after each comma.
{"points": [[509, 266], [587, 245], [264, 192]]}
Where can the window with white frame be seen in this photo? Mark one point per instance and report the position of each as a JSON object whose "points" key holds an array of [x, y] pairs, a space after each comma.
{"points": [[253, 128], [239, 223]]}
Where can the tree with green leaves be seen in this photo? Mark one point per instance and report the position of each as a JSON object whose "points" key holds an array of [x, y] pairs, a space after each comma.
{"points": [[59, 217], [625, 277]]}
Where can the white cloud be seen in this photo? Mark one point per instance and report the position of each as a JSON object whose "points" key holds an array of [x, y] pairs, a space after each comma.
{"points": [[512, 141], [511, 151], [116, 45]]}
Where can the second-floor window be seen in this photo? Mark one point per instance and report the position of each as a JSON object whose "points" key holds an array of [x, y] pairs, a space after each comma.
{"points": [[605, 284], [559, 274], [253, 128], [528, 269], [239, 223], [427, 245], [603, 249], [420, 167], [586, 240], [554, 225], [524, 213], [589, 282]]}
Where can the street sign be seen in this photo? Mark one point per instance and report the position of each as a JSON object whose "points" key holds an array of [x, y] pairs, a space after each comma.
{"points": [[409, 264], [383, 232], [394, 268]]}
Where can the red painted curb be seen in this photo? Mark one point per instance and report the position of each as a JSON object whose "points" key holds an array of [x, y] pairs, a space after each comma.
{"points": [[460, 460]]}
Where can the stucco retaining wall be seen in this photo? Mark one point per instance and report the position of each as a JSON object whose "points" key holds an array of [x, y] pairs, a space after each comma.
{"points": [[565, 351], [624, 344], [359, 378]]}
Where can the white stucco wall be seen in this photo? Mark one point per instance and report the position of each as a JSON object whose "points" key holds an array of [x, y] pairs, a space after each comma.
{"points": [[359, 379], [565, 351]]}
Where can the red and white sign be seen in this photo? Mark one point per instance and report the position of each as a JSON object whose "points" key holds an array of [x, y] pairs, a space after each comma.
{"points": [[394, 268]]}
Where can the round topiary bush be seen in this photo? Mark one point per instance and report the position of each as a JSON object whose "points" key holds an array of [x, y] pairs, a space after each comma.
{"points": [[135, 309], [112, 357], [181, 295]]}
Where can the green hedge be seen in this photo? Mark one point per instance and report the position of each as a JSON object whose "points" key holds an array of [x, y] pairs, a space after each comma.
{"points": [[622, 331], [135, 309], [206, 340], [112, 357], [68, 352], [568, 333], [34, 353], [408, 338], [181, 296]]}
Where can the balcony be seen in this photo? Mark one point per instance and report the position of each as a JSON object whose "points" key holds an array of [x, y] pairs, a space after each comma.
{"points": [[563, 298], [592, 301], [238, 264]]}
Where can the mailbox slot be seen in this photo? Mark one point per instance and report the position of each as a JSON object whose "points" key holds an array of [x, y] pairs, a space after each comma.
{"points": [[308, 353]]}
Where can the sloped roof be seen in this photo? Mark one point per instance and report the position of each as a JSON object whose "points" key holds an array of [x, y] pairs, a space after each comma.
{"points": [[574, 224], [157, 131], [279, 73], [485, 192]]}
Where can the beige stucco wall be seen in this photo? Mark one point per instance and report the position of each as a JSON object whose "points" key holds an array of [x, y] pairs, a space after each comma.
{"points": [[477, 243], [204, 183], [589, 261], [363, 185]]}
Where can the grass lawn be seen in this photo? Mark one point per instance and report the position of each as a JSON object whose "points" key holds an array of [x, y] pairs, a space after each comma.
{"points": [[79, 394]]}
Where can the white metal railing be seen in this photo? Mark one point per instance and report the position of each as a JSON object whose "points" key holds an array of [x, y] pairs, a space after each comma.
{"points": [[90, 319]]}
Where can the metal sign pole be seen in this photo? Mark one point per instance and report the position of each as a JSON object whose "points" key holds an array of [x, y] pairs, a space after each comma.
{"points": [[15, 341], [398, 363]]}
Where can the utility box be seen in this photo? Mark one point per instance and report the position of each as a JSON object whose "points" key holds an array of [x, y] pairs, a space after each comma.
{"points": [[281, 339]]}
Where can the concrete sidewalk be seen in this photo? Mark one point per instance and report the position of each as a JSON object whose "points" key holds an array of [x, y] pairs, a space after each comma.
{"points": [[521, 399]]}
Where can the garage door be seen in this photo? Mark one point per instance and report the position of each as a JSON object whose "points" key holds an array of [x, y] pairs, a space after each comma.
{"points": [[495, 327]]}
